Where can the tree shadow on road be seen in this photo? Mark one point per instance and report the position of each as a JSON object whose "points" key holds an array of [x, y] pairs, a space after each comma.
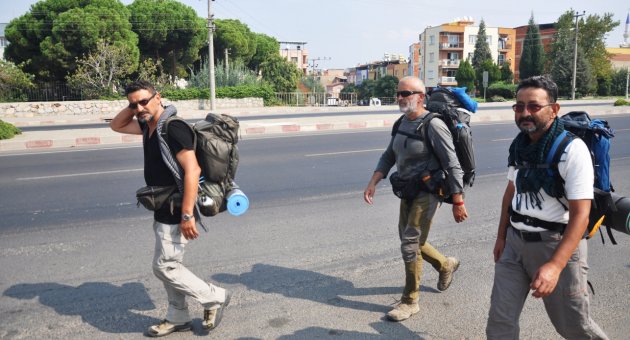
{"points": [[104, 306]]}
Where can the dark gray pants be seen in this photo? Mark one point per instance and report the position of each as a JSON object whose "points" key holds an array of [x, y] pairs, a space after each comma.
{"points": [[568, 305]]}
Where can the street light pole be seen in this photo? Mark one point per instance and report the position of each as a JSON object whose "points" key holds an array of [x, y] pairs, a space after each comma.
{"points": [[211, 56], [575, 49]]}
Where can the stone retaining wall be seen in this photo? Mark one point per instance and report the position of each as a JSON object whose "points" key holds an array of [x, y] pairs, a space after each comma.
{"points": [[98, 108]]}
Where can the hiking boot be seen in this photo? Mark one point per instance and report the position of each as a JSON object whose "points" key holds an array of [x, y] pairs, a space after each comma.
{"points": [[403, 311], [166, 327], [212, 317], [446, 275]]}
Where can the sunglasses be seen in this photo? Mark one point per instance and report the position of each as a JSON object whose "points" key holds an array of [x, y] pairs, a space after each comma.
{"points": [[531, 107], [406, 94], [142, 102]]}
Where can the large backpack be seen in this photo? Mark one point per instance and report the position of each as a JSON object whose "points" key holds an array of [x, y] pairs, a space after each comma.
{"points": [[446, 105], [607, 208], [215, 140]]}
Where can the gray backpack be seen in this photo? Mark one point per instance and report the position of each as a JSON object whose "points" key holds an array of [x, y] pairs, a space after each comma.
{"points": [[215, 140]]}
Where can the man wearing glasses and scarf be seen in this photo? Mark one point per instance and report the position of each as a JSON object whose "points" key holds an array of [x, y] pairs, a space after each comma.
{"points": [[412, 158], [173, 227], [540, 243]]}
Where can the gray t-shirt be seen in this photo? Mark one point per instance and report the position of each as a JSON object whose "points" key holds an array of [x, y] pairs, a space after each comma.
{"points": [[412, 157]]}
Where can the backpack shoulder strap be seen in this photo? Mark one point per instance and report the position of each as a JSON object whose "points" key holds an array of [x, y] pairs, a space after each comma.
{"points": [[396, 125], [557, 149]]}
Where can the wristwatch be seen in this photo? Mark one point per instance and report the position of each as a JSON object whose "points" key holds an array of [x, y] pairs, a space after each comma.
{"points": [[187, 217]]}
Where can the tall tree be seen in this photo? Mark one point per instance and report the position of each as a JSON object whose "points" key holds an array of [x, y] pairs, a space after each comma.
{"points": [[533, 54], [465, 76], [562, 59], [592, 37], [48, 39], [386, 86], [240, 41], [170, 31], [506, 73], [281, 74], [482, 51], [266, 47], [102, 71]]}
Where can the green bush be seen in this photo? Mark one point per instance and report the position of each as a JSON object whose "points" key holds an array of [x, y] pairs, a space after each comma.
{"points": [[507, 91], [7, 130], [621, 102], [247, 91], [497, 99]]}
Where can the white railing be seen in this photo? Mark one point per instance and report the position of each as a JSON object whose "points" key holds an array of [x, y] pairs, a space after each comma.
{"points": [[449, 62], [444, 80]]}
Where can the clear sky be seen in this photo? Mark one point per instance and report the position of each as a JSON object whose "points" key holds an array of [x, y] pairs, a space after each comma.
{"points": [[349, 32]]}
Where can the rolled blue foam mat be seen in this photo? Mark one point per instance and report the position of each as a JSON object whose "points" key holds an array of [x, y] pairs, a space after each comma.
{"points": [[237, 202]]}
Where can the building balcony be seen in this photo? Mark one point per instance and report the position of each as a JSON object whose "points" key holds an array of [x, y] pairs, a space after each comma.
{"points": [[448, 46], [505, 47], [447, 81], [448, 63]]}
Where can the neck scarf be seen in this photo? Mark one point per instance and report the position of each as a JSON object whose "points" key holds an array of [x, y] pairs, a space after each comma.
{"points": [[531, 177]]}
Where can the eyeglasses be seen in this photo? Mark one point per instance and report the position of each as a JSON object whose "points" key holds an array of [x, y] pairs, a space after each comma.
{"points": [[406, 94], [531, 107], [142, 102]]}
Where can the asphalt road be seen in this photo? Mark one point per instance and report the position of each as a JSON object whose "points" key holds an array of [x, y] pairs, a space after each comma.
{"points": [[310, 259]]}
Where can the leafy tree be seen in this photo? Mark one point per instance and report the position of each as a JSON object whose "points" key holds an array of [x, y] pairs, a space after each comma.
{"points": [[49, 38], [152, 71], [533, 55], [494, 72], [367, 89], [102, 71], [618, 84], [313, 84], [237, 38], [12, 81], [349, 88], [170, 31], [506, 73], [482, 49], [562, 59], [281, 74], [592, 37], [465, 76], [386, 86], [266, 47]]}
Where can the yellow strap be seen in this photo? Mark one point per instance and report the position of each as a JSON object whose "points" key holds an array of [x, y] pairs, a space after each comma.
{"points": [[596, 227]]}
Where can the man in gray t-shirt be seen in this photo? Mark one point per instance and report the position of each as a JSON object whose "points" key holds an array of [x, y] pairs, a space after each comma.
{"points": [[413, 158]]}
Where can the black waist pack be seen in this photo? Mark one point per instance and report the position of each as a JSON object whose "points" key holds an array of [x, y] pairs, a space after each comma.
{"points": [[406, 189], [154, 197]]}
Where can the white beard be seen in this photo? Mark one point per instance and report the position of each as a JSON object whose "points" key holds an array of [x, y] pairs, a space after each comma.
{"points": [[410, 107]]}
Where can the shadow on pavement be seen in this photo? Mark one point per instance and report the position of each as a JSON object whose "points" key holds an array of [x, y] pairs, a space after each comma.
{"points": [[104, 306]]}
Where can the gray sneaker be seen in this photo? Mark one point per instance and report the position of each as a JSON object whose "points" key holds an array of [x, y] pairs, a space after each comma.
{"points": [[212, 317], [446, 276], [165, 327], [403, 311]]}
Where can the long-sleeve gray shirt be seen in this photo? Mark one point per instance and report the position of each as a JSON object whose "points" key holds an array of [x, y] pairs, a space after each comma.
{"points": [[412, 157]]}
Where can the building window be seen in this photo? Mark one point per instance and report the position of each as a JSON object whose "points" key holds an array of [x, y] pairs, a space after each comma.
{"points": [[472, 39], [451, 73], [471, 55], [501, 59], [430, 74], [3, 42], [452, 56], [489, 40], [431, 57], [453, 41], [431, 40]]}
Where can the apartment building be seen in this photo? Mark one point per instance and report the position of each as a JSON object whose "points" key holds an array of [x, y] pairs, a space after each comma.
{"points": [[295, 52], [3, 40], [441, 49]]}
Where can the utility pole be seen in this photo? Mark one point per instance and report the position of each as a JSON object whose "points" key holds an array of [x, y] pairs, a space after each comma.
{"points": [[314, 65], [575, 50], [211, 56], [627, 80], [227, 69]]}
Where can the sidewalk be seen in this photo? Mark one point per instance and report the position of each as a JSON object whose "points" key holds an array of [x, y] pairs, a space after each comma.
{"points": [[309, 120]]}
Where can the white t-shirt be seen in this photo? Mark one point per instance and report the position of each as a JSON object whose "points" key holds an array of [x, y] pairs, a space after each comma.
{"points": [[576, 168]]}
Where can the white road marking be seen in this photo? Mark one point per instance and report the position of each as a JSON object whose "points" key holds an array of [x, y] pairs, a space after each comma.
{"points": [[341, 152], [78, 174]]}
